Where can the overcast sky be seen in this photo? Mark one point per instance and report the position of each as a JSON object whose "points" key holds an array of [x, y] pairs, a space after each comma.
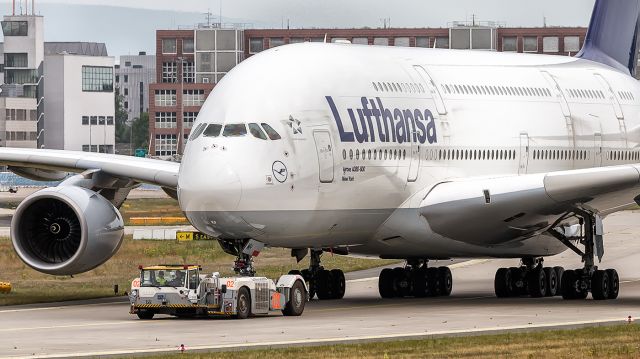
{"points": [[306, 13]]}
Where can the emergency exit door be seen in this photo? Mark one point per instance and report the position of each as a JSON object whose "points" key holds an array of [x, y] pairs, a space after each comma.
{"points": [[324, 149]]}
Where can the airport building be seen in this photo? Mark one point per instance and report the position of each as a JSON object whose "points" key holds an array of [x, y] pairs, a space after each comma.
{"points": [[188, 64], [134, 74], [49, 87]]}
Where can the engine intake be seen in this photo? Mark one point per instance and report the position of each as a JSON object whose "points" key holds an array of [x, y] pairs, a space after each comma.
{"points": [[66, 230]]}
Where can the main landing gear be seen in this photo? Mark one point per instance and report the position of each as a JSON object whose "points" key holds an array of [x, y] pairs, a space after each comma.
{"points": [[416, 279], [326, 284], [535, 280]]}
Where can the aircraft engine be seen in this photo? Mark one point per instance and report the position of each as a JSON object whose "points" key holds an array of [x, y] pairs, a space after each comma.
{"points": [[66, 230]]}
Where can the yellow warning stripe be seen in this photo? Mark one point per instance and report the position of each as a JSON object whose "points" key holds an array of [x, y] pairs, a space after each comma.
{"points": [[145, 306]]}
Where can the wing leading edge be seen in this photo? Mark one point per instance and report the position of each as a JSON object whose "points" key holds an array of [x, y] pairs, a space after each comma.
{"points": [[492, 211], [47, 162]]}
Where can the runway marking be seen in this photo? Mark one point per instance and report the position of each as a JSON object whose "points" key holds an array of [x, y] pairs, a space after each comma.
{"points": [[327, 341], [60, 307], [398, 304], [5, 330]]}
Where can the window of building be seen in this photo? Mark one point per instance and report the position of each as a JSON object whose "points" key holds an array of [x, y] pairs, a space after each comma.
{"points": [[530, 44], [169, 46], [509, 44], [360, 41], [85, 148], [126, 91], [316, 39], [276, 41], [126, 105], [117, 78], [381, 41], [166, 120], [550, 44], [126, 79], [102, 120], [442, 42], [422, 41], [189, 72], [105, 148], [187, 46], [296, 40], [94, 120], [110, 120], [193, 97], [169, 72], [401, 41], [256, 44], [127, 63], [571, 43], [97, 79], [15, 28], [165, 98], [189, 118], [166, 145], [85, 120], [16, 60]]}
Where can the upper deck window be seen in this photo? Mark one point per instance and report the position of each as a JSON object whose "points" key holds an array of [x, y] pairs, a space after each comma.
{"points": [[273, 134], [235, 130]]}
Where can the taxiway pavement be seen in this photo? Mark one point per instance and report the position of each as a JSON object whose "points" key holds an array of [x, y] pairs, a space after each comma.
{"points": [[105, 328]]}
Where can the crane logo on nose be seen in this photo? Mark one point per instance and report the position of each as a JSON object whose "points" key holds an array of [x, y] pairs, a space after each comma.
{"points": [[279, 171]]}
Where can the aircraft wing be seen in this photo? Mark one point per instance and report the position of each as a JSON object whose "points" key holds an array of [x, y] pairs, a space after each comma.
{"points": [[497, 210], [41, 164]]}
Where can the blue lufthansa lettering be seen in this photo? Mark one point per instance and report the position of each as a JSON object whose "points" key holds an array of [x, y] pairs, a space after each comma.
{"points": [[375, 122]]}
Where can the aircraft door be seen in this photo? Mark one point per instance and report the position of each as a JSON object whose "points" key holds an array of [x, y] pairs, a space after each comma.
{"points": [[611, 95], [524, 153], [597, 144], [433, 89], [414, 159], [324, 149]]}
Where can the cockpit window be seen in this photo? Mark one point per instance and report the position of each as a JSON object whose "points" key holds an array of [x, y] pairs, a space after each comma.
{"points": [[271, 132], [235, 130], [198, 131], [256, 131], [213, 130]]}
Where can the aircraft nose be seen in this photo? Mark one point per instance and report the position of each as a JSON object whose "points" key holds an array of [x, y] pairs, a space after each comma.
{"points": [[208, 187]]}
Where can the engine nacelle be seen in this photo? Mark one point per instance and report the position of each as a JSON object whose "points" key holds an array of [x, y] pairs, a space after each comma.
{"points": [[66, 230]]}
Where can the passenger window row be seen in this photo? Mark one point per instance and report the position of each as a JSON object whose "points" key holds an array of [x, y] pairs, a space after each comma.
{"points": [[623, 155], [406, 87], [579, 155], [627, 95], [495, 90], [590, 94], [376, 154], [261, 131], [469, 155]]}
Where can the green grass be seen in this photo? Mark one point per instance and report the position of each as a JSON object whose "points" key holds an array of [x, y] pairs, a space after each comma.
{"points": [[30, 286], [599, 342], [151, 207]]}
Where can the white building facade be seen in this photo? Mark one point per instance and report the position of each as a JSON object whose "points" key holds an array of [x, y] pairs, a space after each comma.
{"points": [[133, 76]]}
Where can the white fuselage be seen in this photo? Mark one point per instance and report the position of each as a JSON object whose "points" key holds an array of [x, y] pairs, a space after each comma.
{"points": [[422, 116]]}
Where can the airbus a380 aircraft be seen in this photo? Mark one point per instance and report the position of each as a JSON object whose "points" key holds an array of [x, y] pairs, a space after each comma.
{"points": [[405, 153]]}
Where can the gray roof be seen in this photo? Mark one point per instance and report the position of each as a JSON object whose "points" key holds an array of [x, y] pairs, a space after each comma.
{"points": [[76, 48]]}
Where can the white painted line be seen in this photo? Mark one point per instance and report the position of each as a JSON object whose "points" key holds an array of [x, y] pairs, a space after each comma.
{"points": [[326, 341], [70, 306], [6, 330]]}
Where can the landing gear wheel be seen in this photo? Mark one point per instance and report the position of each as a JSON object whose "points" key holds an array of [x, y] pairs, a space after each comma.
{"points": [[433, 282], [600, 285], [559, 273], [537, 283], [145, 314], [446, 281], [419, 283], [614, 283], [552, 282], [243, 308], [402, 284], [338, 284], [306, 274], [503, 283], [297, 300], [385, 283], [324, 285], [518, 283]]}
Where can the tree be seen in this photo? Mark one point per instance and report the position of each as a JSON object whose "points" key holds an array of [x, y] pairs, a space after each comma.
{"points": [[140, 134], [122, 129]]}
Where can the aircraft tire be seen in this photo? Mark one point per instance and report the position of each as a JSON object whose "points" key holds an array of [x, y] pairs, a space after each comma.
{"points": [[433, 280], [419, 283], [385, 283], [446, 281], [552, 282], [338, 284], [600, 285], [324, 287], [537, 283], [614, 283], [402, 284], [559, 273], [502, 283]]}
